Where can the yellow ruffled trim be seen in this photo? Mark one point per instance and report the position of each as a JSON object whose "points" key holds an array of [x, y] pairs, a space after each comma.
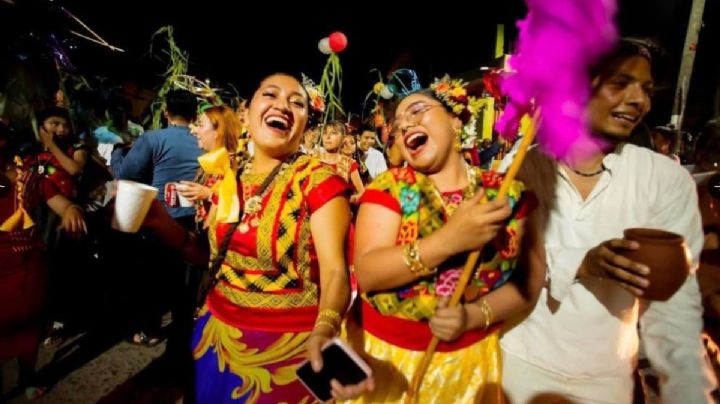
{"points": [[217, 162], [468, 375]]}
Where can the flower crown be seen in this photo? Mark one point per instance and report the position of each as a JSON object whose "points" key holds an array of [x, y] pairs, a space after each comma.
{"points": [[453, 93], [317, 99]]}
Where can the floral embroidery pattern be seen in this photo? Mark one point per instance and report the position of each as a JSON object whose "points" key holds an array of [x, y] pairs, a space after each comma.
{"points": [[422, 214], [447, 281]]}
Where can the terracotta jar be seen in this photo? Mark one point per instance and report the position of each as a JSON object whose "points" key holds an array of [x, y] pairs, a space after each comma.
{"points": [[667, 257]]}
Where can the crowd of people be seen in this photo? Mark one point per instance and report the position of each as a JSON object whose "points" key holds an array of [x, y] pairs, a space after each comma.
{"points": [[276, 229]]}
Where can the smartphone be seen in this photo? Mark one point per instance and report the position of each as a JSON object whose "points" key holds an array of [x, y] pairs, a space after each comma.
{"points": [[340, 362]]}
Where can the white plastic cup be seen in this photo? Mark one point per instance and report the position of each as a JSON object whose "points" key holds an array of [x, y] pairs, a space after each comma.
{"points": [[132, 204], [184, 202]]}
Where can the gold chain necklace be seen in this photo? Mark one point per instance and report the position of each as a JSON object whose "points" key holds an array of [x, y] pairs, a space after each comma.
{"points": [[468, 192], [253, 204]]}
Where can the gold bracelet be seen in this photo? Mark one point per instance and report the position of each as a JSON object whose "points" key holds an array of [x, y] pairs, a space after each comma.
{"points": [[491, 318], [331, 315], [486, 317], [487, 312], [330, 325], [411, 258]]}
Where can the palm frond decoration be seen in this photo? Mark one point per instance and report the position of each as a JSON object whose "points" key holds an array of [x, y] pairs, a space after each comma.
{"points": [[331, 88], [176, 69]]}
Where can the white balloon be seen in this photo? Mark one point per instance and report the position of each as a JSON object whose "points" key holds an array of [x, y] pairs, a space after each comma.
{"points": [[324, 46], [386, 93]]}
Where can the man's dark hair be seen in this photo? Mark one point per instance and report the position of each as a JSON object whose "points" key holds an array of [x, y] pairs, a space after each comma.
{"points": [[627, 48], [181, 103], [367, 126]]}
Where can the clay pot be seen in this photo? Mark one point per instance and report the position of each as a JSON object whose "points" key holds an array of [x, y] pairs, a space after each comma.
{"points": [[667, 257]]}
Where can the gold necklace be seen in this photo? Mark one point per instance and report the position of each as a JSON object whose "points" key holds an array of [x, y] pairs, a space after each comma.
{"points": [[253, 205], [468, 192]]}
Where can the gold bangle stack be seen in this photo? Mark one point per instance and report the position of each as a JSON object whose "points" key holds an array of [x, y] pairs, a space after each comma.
{"points": [[329, 318], [411, 257], [487, 313], [330, 325]]}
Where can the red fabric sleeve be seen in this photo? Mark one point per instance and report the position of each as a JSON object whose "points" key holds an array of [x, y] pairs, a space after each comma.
{"points": [[354, 167], [48, 189], [323, 193], [380, 198]]}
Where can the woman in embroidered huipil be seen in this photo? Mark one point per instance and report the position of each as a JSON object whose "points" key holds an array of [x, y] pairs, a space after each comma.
{"points": [[63, 156], [415, 227], [23, 265], [344, 166], [277, 241]]}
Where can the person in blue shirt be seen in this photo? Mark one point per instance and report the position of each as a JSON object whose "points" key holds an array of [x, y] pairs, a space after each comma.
{"points": [[163, 156], [158, 158]]}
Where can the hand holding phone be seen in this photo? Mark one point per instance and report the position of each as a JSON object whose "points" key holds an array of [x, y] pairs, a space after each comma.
{"points": [[343, 375]]}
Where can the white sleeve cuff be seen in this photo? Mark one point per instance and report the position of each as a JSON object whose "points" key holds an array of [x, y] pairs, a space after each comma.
{"points": [[563, 264]]}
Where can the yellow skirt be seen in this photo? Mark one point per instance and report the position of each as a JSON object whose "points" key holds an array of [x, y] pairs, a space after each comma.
{"points": [[468, 375]]}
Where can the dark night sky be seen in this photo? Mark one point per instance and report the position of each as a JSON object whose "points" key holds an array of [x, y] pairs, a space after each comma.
{"points": [[232, 44]]}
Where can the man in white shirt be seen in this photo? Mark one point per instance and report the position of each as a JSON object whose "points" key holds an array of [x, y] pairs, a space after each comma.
{"points": [[371, 158], [581, 340]]}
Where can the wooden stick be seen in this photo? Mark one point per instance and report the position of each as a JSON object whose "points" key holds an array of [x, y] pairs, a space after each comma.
{"points": [[98, 39], [105, 44], [414, 388]]}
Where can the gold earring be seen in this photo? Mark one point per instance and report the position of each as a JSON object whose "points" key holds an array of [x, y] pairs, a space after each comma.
{"points": [[458, 141]]}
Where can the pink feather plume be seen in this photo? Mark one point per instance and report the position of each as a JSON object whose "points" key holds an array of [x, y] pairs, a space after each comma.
{"points": [[559, 41]]}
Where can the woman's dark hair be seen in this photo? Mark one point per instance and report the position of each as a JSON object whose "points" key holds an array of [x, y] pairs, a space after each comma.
{"points": [[50, 112], [58, 112]]}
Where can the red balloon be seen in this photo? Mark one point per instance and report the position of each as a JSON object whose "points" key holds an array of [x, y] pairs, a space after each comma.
{"points": [[338, 41]]}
